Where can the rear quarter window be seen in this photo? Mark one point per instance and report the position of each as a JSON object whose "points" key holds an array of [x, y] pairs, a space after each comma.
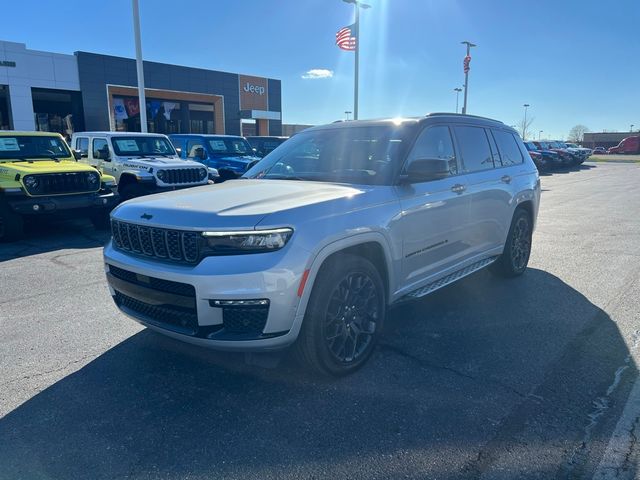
{"points": [[509, 148]]}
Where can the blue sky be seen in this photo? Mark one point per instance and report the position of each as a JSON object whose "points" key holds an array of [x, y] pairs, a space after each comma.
{"points": [[572, 61]]}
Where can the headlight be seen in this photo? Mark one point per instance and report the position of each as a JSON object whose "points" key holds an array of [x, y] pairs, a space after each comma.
{"points": [[254, 241], [161, 175], [31, 182], [93, 179], [203, 173], [213, 173]]}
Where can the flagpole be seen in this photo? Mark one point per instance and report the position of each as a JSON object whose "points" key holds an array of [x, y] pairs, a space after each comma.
{"points": [[357, 62]]}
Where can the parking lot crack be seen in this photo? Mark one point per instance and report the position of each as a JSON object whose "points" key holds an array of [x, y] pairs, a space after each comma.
{"points": [[428, 365], [48, 372]]}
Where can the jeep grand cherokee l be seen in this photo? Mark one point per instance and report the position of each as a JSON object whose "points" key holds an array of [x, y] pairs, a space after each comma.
{"points": [[313, 244]]}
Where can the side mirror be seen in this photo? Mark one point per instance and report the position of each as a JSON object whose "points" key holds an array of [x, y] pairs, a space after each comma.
{"points": [[179, 151], [77, 154], [426, 169]]}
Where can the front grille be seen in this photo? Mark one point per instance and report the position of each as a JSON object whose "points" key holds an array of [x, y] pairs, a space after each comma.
{"points": [[177, 318], [61, 183], [176, 245], [182, 175], [167, 286], [245, 319]]}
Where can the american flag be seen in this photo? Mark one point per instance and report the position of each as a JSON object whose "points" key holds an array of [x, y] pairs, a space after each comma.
{"points": [[346, 38]]}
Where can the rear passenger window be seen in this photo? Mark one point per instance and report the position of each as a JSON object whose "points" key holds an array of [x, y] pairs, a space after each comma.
{"points": [[435, 142], [508, 146], [474, 148]]}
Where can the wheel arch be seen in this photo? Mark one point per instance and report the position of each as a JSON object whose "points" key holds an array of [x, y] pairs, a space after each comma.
{"points": [[372, 246]]}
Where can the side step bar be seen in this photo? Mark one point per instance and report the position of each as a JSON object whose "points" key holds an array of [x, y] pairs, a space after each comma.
{"points": [[446, 280]]}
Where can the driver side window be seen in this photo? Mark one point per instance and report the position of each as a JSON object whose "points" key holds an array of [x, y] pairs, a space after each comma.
{"points": [[435, 142]]}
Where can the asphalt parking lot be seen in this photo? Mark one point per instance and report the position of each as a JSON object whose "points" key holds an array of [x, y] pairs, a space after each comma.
{"points": [[487, 378]]}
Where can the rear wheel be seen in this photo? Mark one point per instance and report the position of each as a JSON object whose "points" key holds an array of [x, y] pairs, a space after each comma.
{"points": [[11, 223], [517, 249], [344, 316]]}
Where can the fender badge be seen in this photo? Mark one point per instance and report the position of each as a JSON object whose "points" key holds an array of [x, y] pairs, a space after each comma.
{"points": [[146, 216]]}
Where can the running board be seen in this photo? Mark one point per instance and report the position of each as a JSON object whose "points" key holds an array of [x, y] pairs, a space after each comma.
{"points": [[446, 280]]}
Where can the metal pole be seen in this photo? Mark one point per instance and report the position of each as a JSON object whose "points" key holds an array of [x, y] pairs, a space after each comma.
{"points": [[457, 90], [466, 77], [357, 59], [524, 125], [139, 68]]}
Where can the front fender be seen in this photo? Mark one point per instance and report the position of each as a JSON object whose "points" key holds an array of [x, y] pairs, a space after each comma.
{"points": [[316, 261], [141, 177]]}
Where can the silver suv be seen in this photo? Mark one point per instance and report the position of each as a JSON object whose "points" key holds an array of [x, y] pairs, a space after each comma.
{"points": [[313, 244]]}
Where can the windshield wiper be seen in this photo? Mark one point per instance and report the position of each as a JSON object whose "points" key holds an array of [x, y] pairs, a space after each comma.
{"points": [[282, 177]]}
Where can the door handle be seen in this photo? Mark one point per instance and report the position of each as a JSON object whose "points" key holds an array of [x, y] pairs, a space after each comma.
{"points": [[506, 179], [458, 188]]}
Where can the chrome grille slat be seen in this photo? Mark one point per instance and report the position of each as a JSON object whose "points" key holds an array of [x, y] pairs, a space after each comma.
{"points": [[166, 244]]}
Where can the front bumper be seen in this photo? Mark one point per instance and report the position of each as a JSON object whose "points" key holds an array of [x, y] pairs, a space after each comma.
{"points": [[180, 300], [26, 205]]}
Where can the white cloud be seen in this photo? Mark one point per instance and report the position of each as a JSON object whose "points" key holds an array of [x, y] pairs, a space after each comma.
{"points": [[318, 73]]}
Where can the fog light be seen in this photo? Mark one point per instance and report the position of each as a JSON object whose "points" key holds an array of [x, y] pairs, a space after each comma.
{"points": [[239, 303], [36, 207]]}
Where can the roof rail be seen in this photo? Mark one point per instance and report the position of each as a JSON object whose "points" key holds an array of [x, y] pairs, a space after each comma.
{"points": [[449, 114]]}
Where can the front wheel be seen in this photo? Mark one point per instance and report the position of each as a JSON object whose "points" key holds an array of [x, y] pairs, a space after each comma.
{"points": [[517, 248], [344, 316], [100, 218]]}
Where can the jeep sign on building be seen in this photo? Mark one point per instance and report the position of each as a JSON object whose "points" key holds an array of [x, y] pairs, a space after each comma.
{"points": [[179, 99]]}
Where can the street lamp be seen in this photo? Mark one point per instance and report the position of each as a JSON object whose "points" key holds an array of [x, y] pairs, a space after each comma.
{"points": [[631, 129], [457, 90], [524, 124], [357, 4], [540, 133], [347, 113], [466, 73]]}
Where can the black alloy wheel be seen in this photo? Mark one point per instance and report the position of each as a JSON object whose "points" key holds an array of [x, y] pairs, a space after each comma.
{"points": [[517, 249], [344, 316]]}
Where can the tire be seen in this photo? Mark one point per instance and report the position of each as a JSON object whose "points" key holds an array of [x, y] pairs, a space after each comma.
{"points": [[11, 223], [100, 218], [329, 343], [517, 249], [132, 190]]}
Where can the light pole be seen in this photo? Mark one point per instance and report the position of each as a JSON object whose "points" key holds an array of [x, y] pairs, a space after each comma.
{"points": [[357, 4], [466, 73], [524, 123], [347, 113], [457, 90], [540, 133], [141, 99], [631, 129]]}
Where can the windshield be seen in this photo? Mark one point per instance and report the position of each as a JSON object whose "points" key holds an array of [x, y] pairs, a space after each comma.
{"points": [[32, 147], [359, 155], [229, 146], [530, 146], [142, 146]]}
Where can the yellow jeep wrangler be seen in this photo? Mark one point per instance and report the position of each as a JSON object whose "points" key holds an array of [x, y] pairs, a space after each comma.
{"points": [[39, 175]]}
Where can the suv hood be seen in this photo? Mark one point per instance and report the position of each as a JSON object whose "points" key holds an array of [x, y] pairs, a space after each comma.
{"points": [[236, 204], [159, 162], [45, 166]]}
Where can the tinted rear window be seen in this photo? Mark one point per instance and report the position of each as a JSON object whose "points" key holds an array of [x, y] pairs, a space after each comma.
{"points": [[510, 153], [474, 148]]}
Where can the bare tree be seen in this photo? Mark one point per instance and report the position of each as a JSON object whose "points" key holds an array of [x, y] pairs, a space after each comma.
{"points": [[576, 134], [525, 126]]}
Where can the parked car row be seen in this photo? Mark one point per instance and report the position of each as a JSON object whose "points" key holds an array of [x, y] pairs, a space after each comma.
{"points": [[40, 174], [551, 155], [627, 146]]}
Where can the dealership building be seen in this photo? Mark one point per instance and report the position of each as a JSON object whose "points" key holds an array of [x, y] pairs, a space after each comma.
{"points": [[88, 91]]}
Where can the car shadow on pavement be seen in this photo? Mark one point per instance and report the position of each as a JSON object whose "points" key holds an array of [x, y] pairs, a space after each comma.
{"points": [[484, 375], [51, 234]]}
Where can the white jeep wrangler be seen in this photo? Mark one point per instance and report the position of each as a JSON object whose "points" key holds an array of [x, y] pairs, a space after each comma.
{"points": [[142, 163]]}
